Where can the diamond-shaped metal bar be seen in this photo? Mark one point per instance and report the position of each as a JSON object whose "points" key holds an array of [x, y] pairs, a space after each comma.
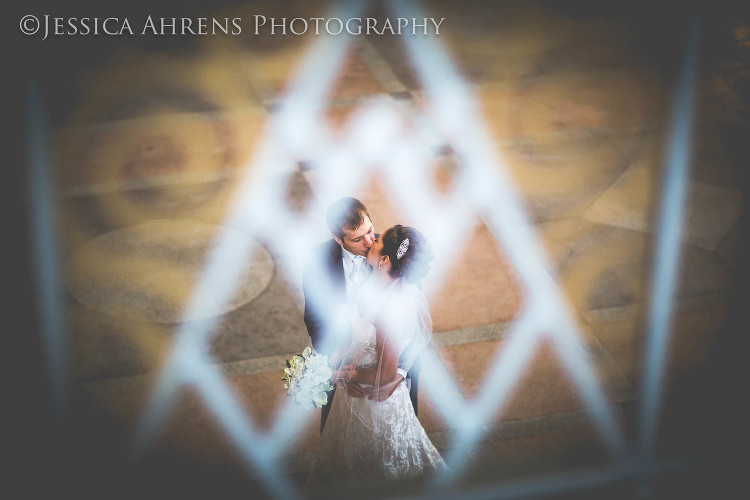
{"points": [[45, 243], [670, 222]]}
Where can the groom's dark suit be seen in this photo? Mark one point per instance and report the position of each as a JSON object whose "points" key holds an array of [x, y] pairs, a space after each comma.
{"points": [[324, 287]]}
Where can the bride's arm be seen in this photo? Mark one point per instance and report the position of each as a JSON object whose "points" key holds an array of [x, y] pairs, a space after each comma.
{"points": [[386, 347], [369, 376], [384, 375]]}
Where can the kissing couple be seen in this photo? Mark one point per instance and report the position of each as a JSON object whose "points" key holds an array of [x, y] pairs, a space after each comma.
{"points": [[365, 310]]}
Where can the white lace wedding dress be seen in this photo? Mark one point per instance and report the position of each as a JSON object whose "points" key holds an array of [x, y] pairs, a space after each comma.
{"points": [[368, 442]]}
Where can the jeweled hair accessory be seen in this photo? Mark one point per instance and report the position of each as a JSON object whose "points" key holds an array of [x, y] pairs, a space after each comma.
{"points": [[402, 248]]}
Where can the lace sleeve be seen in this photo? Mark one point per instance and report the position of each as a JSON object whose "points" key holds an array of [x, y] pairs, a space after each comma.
{"points": [[408, 322], [403, 329]]}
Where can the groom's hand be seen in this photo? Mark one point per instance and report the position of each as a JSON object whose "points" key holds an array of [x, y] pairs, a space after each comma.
{"points": [[381, 396], [355, 390]]}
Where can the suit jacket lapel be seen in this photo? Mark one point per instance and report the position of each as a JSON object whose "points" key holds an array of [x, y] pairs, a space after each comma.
{"points": [[336, 268]]}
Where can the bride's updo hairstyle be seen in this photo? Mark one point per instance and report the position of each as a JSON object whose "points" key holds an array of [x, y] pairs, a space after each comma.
{"points": [[411, 260]]}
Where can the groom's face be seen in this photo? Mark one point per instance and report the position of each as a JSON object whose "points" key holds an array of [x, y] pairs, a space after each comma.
{"points": [[359, 240]]}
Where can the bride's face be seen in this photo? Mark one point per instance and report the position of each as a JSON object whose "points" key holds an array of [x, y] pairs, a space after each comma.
{"points": [[373, 254]]}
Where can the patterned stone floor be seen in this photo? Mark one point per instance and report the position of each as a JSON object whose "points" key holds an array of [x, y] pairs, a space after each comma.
{"points": [[153, 143]]}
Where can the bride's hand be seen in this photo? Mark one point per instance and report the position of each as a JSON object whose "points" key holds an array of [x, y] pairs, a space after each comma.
{"points": [[345, 374], [355, 390]]}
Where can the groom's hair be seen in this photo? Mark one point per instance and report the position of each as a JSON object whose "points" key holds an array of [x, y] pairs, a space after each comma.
{"points": [[345, 213]]}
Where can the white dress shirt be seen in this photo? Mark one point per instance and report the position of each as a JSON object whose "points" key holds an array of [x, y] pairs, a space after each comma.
{"points": [[351, 262]]}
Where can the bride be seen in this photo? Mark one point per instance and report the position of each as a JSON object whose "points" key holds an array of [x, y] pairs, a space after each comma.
{"points": [[378, 438]]}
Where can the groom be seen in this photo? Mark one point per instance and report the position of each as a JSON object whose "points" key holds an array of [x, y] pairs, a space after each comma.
{"points": [[333, 275]]}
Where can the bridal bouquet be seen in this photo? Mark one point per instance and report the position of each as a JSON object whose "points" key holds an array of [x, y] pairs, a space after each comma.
{"points": [[307, 379]]}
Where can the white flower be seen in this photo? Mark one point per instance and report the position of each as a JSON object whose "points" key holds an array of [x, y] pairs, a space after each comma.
{"points": [[307, 377]]}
